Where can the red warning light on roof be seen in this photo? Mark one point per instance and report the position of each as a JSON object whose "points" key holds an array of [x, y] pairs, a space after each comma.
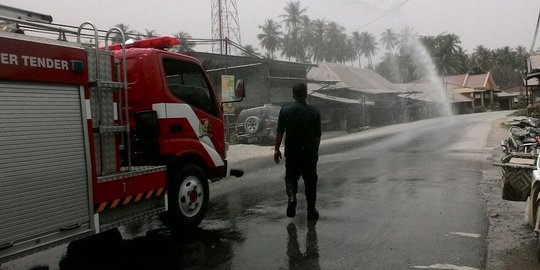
{"points": [[155, 42]]}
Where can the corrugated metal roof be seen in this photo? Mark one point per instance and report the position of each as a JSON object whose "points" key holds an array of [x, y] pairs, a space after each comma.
{"points": [[459, 98], [466, 90], [476, 81], [469, 81], [454, 81], [505, 94], [356, 79], [334, 98], [535, 61], [431, 92]]}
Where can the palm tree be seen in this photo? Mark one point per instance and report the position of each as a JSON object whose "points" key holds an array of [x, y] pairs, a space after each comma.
{"points": [[249, 50], [509, 67], [270, 37], [305, 36], [388, 68], [318, 46], [357, 44], [445, 52], [521, 58], [503, 69], [521, 51], [335, 38], [368, 46], [185, 44], [389, 39], [481, 60], [128, 34], [406, 39], [292, 18], [287, 47], [150, 33], [350, 51], [448, 46]]}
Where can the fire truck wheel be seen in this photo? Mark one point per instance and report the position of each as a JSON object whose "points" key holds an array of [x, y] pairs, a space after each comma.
{"points": [[188, 196]]}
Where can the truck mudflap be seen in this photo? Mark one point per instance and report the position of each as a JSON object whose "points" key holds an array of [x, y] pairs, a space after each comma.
{"points": [[517, 176], [236, 172]]}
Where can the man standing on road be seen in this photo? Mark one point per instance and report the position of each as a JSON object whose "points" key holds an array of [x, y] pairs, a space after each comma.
{"points": [[302, 125]]}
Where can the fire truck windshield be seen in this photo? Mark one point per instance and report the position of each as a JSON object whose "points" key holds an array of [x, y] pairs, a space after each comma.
{"points": [[186, 81]]}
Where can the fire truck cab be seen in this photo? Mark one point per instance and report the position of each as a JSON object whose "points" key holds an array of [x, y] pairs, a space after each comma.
{"points": [[94, 136]]}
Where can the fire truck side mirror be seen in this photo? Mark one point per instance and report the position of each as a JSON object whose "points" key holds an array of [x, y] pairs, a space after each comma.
{"points": [[240, 90]]}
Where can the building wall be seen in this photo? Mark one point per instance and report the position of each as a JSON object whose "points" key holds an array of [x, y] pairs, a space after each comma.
{"points": [[267, 81]]}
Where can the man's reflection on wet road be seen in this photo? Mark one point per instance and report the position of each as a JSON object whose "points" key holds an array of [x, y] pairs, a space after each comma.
{"points": [[309, 259]]}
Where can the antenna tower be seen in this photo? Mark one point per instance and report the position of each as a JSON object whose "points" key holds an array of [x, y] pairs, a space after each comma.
{"points": [[225, 25]]}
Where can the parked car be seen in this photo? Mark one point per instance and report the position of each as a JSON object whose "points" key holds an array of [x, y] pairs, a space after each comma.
{"points": [[257, 125]]}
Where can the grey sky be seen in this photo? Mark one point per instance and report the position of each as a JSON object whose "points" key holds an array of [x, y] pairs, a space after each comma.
{"points": [[493, 23]]}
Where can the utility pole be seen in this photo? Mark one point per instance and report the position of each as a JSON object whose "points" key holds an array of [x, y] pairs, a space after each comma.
{"points": [[535, 34]]}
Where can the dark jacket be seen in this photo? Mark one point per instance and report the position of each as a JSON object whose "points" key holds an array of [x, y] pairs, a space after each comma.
{"points": [[301, 124]]}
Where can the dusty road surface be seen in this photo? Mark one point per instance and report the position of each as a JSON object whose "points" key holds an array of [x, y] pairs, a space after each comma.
{"points": [[511, 242], [421, 195]]}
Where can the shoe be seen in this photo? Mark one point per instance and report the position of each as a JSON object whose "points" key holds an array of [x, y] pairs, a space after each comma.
{"points": [[313, 215], [291, 206]]}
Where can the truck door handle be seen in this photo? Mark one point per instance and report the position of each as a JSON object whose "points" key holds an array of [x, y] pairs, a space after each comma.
{"points": [[176, 128]]}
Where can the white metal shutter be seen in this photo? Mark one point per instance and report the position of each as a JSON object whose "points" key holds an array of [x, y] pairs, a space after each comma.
{"points": [[43, 165]]}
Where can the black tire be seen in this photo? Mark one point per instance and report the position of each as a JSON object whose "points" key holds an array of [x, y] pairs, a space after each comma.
{"points": [[516, 184], [252, 124], [188, 196], [538, 247], [534, 195], [535, 206]]}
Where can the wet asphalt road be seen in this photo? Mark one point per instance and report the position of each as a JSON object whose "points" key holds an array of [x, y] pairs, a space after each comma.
{"points": [[400, 197]]}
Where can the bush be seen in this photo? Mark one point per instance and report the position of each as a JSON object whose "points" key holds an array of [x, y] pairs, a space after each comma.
{"points": [[531, 111], [534, 111]]}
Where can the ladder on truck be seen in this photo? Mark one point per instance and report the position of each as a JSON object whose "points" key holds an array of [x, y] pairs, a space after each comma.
{"points": [[110, 119], [103, 108]]}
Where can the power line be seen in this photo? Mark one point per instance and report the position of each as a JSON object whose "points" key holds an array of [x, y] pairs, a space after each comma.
{"points": [[386, 13]]}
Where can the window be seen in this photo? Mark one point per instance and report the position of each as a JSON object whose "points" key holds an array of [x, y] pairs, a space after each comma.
{"points": [[187, 82]]}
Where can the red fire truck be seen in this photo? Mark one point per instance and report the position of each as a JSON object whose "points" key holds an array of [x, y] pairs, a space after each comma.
{"points": [[94, 136]]}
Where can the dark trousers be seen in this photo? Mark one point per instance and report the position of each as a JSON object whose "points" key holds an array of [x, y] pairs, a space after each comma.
{"points": [[307, 168]]}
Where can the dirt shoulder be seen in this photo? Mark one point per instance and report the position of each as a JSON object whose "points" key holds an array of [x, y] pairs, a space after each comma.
{"points": [[511, 243]]}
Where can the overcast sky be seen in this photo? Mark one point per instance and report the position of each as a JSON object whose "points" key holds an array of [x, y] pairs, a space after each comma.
{"points": [[493, 23]]}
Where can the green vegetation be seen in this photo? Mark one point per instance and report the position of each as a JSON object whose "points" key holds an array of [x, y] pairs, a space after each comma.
{"points": [[317, 40], [297, 37]]}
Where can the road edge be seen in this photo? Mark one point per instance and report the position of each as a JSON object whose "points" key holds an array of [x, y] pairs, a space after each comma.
{"points": [[511, 243]]}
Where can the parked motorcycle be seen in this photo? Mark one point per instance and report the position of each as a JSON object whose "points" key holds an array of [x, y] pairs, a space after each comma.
{"points": [[524, 137]]}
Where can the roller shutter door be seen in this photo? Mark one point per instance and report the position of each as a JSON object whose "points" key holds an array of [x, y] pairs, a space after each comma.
{"points": [[43, 165]]}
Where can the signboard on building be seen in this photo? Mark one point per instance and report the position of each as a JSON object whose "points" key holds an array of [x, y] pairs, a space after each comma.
{"points": [[227, 93]]}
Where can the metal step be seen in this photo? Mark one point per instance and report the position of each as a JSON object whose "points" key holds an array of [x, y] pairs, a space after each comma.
{"points": [[110, 129], [131, 213], [135, 171], [107, 85]]}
